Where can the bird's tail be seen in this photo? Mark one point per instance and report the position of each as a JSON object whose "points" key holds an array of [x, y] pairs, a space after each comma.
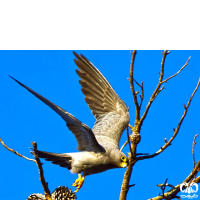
{"points": [[63, 160]]}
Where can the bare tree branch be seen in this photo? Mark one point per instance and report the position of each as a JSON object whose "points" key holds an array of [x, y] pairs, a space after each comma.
{"points": [[178, 71], [135, 136], [142, 91], [41, 173], [39, 164], [125, 184], [171, 194], [156, 91], [175, 131], [168, 194], [15, 152], [193, 145], [132, 86], [193, 173], [163, 187]]}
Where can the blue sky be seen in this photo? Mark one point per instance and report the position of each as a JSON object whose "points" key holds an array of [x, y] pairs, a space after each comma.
{"points": [[24, 118]]}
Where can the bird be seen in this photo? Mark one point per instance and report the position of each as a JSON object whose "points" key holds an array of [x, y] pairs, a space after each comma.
{"points": [[98, 147]]}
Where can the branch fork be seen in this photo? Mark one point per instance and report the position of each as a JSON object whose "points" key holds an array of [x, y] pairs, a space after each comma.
{"points": [[39, 164], [135, 136]]}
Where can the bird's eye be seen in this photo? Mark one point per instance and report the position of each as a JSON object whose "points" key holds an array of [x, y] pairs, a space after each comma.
{"points": [[123, 158]]}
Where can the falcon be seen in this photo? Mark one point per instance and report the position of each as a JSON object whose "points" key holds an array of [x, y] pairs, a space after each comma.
{"points": [[99, 146]]}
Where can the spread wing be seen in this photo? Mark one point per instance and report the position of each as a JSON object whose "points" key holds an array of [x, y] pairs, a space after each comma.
{"points": [[110, 111], [84, 135]]}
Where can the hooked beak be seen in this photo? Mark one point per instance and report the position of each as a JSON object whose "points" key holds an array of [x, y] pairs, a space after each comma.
{"points": [[124, 164]]}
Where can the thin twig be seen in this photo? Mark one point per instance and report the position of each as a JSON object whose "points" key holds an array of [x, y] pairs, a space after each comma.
{"points": [[124, 145], [142, 91], [131, 185], [132, 86], [15, 152], [39, 164], [163, 187], [137, 82], [138, 154], [129, 141], [193, 173], [156, 91], [178, 71], [175, 130], [142, 95], [175, 190], [41, 173], [167, 184], [197, 180], [193, 145], [131, 127]]}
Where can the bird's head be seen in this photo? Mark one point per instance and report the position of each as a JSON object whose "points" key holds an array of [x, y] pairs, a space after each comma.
{"points": [[119, 159]]}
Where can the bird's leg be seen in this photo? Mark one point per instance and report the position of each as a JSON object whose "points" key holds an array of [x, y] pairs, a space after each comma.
{"points": [[79, 182]]}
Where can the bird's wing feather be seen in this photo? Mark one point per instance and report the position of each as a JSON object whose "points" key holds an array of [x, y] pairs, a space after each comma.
{"points": [[84, 135], [110, 111], [99, 94]]}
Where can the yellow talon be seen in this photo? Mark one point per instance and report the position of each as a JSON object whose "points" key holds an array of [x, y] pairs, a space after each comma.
{"points": [[79, 182]]}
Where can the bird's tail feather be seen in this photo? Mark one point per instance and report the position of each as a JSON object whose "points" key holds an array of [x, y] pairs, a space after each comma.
{"points": [[63, 160]]}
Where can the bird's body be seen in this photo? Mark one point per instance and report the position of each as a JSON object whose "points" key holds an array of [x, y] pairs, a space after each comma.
{"points": [[99, 147], [90, 162]]}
